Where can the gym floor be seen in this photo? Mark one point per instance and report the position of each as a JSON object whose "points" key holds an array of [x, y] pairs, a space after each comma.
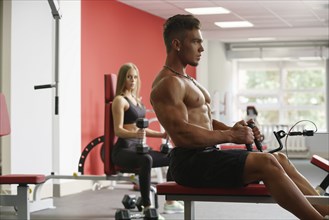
{"points": [[102, 204]]}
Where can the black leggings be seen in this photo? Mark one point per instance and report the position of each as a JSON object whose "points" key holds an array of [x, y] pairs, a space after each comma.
{"points": [[124, 155]]}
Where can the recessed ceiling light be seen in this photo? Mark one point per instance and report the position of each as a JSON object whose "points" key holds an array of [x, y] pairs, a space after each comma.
{"points": [[261, 38], [234, 24], [207, 10], [309, 58]]}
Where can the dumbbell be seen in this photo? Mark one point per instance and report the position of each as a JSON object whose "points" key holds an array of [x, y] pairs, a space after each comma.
{"points": [[124, 214], [164, 148], [141, 147], [139, 204], [131, 201], [257, 143]]}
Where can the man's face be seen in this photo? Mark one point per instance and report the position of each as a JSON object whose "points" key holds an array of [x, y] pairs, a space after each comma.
{"points": [[191, 47]]}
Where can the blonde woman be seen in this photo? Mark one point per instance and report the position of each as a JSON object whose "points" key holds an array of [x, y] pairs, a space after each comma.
{"points": [[126, 108]]}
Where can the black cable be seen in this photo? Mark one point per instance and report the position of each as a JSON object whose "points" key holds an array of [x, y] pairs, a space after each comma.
{"points": [[304, 132]]}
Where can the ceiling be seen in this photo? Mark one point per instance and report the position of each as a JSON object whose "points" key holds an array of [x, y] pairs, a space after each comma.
{"points": [[284, 20]]}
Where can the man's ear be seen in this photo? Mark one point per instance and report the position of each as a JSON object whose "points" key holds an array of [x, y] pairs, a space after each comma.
{"points": [[176, 44]]}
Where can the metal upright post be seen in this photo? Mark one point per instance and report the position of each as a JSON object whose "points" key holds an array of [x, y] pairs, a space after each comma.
{"points": [[57, 16], [55, 11], [56, 64]]}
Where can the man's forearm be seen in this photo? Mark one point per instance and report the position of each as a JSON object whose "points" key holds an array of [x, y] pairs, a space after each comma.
{"points": [[217, 125]]}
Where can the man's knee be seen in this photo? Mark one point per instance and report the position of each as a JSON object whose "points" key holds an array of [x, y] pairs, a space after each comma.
{"points": [[264, 162], [260, 167], [280, 157]]}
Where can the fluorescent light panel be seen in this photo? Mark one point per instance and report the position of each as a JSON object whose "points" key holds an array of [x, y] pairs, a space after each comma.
{"points": [[309, 58], [261, 39], [207, 10], [234, 24]]}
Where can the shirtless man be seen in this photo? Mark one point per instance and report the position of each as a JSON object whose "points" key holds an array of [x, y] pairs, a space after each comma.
{"points": [[182, 106]]}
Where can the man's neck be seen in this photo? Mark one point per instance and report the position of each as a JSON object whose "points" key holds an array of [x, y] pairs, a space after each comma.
{"points": [[175, 64]]}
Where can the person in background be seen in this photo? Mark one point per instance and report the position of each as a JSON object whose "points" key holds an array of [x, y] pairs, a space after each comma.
{"points": [[194, 160], [126, 109], [252, 114]]}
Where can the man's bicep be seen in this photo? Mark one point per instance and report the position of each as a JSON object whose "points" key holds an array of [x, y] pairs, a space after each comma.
{"points": [[170, 114], [167, 100]]}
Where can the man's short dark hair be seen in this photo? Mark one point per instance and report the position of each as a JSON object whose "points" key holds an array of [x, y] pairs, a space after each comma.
{"points": [[176, 27]]}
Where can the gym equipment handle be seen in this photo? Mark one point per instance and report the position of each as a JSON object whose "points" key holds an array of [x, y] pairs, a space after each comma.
{"points": [[281, 134], [46, 86], [257, 143], [303, 133]]}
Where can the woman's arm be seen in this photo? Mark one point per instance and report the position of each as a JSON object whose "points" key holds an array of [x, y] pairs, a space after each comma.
{"points": [[156, 134]]}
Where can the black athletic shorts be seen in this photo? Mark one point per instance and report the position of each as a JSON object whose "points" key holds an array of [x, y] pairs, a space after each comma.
{"points": [[207, 167]]}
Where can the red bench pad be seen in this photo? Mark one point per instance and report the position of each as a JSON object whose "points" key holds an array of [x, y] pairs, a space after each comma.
{"points": [[320, 162], [172, 188], [22, 179]]}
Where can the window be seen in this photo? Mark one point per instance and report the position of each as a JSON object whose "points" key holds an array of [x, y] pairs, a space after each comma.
{"points": [[283, 92]]}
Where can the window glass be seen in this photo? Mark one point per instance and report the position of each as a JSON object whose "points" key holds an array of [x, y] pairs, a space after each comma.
{"points": [[317, 116], [283, 92], [304, 98], [265, 116], [258, 99], [268, 117], [305, 79], [259, 79]]}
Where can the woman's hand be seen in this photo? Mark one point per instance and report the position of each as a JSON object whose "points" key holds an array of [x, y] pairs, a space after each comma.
{"points": [[141, 134], [165, 135]]}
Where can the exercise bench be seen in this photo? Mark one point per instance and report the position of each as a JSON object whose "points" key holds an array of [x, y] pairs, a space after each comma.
{"points": [[324, 165], [21, 200], [253, 193]]}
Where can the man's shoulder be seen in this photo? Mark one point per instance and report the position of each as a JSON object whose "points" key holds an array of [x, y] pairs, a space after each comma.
{"points": [[159, 86], [166, 81]]}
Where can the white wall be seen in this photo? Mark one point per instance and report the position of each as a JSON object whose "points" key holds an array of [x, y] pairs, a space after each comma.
{"points": [[70, 87], [216, 74], [32, 111], [31, 58], [318, 144]]}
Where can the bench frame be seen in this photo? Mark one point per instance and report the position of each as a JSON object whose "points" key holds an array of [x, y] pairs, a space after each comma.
{"points": [[20, 200]]}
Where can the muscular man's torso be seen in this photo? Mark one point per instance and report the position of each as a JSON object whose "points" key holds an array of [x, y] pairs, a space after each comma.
{"points": [[196, 99]]}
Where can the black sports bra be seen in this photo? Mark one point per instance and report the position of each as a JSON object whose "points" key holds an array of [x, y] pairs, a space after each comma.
{"points": [[133, 112]]}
